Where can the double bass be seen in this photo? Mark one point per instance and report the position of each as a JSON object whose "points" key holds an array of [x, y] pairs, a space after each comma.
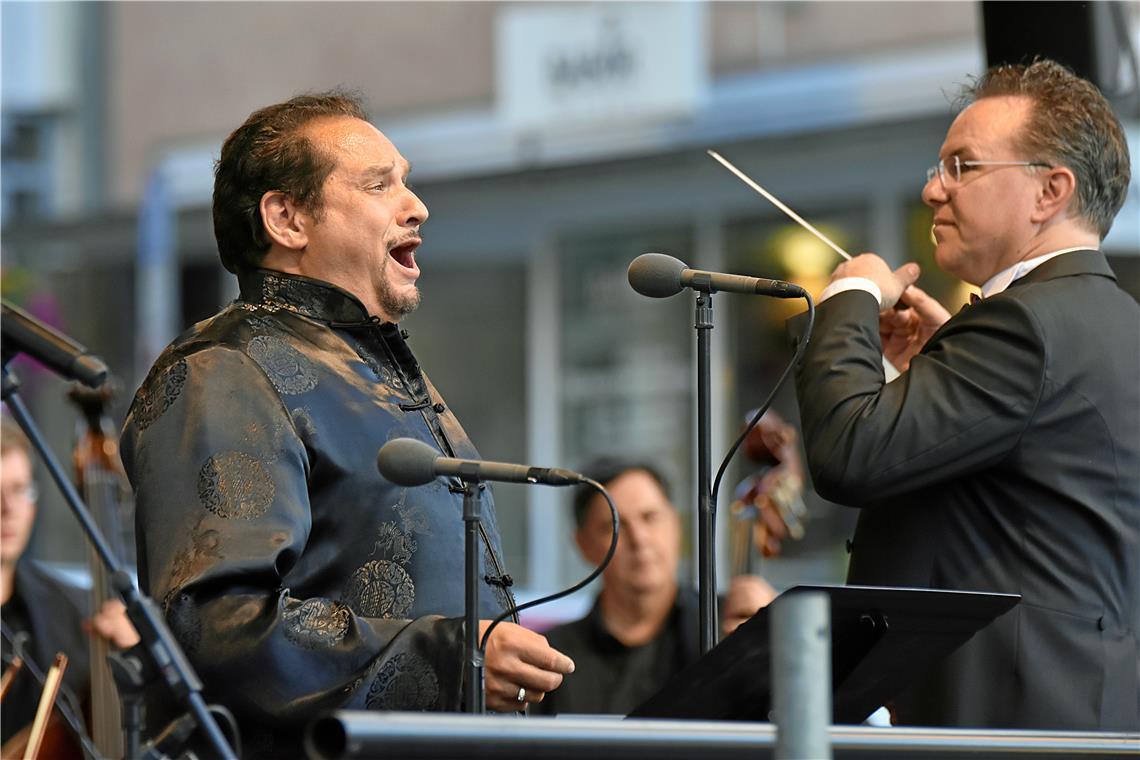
{"points": [[57, 731], [104, 487]]}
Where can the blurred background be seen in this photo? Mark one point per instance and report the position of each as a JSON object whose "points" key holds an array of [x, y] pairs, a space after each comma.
{"points": [[553, 143]]}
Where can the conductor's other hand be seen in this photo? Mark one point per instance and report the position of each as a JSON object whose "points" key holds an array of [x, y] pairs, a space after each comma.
{"points": [[518, 663], [904, 331], [871, 267]]}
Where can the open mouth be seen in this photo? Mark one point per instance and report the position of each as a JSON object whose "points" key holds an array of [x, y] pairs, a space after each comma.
{"points": [[405, 254]]}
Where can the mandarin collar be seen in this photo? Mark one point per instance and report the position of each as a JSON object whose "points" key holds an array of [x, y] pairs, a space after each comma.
{"points": [[316, 299]]}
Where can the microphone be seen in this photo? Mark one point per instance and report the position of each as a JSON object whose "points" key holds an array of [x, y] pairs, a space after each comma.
{"points": [[23, 333], [409, 462], [659, 276]]}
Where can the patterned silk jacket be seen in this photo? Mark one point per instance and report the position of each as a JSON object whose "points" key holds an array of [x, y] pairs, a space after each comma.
{"points": [[296, 578]]}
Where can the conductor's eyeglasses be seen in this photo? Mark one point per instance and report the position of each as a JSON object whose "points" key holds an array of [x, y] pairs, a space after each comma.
{"points": [[950, 170]]}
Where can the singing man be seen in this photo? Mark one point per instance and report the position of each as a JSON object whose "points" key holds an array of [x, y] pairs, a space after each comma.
{"points": [[296, 578]]}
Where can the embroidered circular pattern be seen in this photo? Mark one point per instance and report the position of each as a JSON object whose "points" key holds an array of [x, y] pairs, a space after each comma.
{"points": [[381, 589], [316, 623], [286, 367], [235, 485], [403, 682], [159, 393]]}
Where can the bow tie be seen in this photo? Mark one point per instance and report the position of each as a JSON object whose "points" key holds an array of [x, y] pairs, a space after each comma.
{"points": [[974, 298]]}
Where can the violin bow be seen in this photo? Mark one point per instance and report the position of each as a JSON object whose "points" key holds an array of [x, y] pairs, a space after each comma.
{"points": [[10, 675], [52, 682]]}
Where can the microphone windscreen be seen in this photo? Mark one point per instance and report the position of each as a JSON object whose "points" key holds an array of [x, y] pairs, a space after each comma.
{"points": [[407, 462], [656, 275]]}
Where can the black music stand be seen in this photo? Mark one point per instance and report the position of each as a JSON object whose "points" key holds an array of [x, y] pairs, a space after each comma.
{"points": [[881, 638]]}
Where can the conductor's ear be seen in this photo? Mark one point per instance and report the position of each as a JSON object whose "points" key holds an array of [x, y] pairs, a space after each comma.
{"points": [[1058, 187], [284, 221]]}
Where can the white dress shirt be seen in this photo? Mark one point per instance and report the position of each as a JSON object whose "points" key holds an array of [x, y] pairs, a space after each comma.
{"points": [[991, 287]]}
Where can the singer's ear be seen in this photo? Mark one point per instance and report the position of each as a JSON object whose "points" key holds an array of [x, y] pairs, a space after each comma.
{"points": [[285, 222]]}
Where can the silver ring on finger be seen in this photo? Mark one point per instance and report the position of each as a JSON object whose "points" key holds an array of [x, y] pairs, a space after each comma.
{"points": [[521, 696]]}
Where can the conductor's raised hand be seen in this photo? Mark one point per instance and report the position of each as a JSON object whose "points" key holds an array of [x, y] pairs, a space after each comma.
{"points": [[904, 331], [520, 667], [871, 267]]}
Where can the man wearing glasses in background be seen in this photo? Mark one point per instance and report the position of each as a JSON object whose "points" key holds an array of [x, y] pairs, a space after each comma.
{"points": [[1006, 456], [40, 614]]}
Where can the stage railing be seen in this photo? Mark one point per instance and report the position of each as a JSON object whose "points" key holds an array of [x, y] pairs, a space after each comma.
{"points": [[350, 734]]}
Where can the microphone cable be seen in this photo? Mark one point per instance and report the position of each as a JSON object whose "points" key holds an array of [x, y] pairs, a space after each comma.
{"points": [[514, 610], [760, 413]]}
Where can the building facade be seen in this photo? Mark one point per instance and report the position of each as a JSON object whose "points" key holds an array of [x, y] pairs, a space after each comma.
{"points": [[553, 143]]}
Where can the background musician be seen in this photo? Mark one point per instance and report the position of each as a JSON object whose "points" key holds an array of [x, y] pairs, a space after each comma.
{"points": [[37, 607], [643, 627]]}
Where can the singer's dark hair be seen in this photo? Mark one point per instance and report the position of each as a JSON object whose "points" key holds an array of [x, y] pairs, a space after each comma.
{"points": [[1071, 124], [270, 151], [607, 469]]}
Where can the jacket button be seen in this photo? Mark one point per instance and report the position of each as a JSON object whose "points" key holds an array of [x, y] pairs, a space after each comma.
{"points": [[1100, 623], [849, 544], [439, 408]]}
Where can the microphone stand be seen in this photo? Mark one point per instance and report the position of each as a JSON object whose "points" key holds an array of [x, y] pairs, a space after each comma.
{"points": [[706, 510], [157, 640], [474, 698]]}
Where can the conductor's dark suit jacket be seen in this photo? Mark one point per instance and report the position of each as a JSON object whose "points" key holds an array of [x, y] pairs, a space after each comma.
{"points": [[1006, 459]]}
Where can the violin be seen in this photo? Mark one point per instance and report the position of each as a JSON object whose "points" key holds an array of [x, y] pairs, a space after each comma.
{"points": [[48, 733], [767, 506]]}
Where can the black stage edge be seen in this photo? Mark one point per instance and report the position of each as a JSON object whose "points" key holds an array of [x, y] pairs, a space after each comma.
{"points": [[881, 638]]}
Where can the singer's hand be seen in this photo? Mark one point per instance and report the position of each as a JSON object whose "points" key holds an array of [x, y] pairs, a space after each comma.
{"points": [[891, 284], [517, 658], [905, 331]]}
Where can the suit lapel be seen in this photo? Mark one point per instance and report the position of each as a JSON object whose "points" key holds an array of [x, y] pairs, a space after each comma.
{"points": [[1090, 262], [1068, 265]]}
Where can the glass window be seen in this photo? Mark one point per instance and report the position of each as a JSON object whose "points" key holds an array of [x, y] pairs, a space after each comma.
{"points": [[29, 165], [627, 367], [469, 336]]}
